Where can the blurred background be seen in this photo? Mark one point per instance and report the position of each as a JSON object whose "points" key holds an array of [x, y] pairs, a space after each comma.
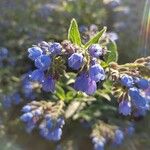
{"points": [[24, 23]]}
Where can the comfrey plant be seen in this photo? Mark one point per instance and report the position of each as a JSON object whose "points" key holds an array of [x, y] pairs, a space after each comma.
{"points": [[45, 116], [76, 76]]}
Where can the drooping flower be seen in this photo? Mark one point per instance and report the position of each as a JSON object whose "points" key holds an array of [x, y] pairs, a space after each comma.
{"points": [[46, 117], [113, 36], [75, 61], [43, 62], [118, 138], [31, 117], [81, 82], [3, 53], [48, 84], [91, 87], [34, 52], [27, 87], [51, 129], [95, 50], [85, 84], [26, 108], [137, 98], [55, 48], [37, 75], [16, 98], [130, 129], [125, 107], [99, 143], [13, 98], [142, 83], [7, 102], [126, 80], [26, 117], [96, 73]]}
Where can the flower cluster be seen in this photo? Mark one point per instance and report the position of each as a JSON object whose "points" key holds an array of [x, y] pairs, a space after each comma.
{"points": [[104, 133], [12, 99], [91, 72], [25, 90], [85, 61], [99, 143], [134, 99], [51, 129], [46, 116], [43, 56]]}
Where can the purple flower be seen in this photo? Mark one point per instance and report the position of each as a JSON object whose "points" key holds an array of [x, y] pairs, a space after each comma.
{"points": [[95, 50], [56, 134], [26, 117], [142, 83], [112, 36], [81, 82], [48, 84], [3, 53], [31, 117], [130, 129], [85, 84], [137, 98], [44, 46], [43, 62], [91, 87], [119, 136], [55, 48], [26, 108], [28, 89], [147, 93], [125, 107], [126, 80], [7, 103], [34, 52], [30, 125], [83, 28], [16, 98], [35, 115], [51, 129], [96, 73], [60, 122], [98, 143], [37, 75], [75, 61]]}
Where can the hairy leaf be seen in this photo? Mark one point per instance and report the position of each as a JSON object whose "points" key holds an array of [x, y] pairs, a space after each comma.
{"points": [[73, 33], [96, 38], [113, 54]]}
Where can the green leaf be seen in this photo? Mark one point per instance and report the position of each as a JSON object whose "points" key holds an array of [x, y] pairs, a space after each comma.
{"points": [[104, 95], [113, 54], [96, 38], [73, 33], [60, 93], [70, 95]]}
